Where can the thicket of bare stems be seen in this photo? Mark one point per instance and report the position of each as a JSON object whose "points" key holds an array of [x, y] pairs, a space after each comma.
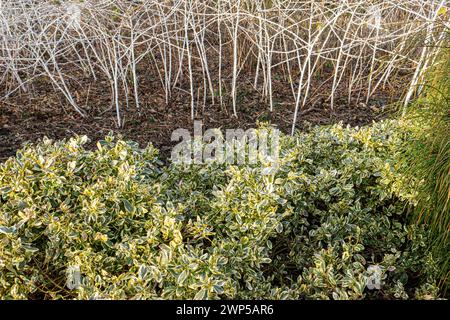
{"points": [[364, 43]]}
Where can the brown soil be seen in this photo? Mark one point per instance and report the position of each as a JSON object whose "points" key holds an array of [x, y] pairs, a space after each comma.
{"points": [[26, 118]]}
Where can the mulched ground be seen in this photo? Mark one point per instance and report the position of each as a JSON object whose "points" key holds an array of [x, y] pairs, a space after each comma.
{"points": [[26, 118]]}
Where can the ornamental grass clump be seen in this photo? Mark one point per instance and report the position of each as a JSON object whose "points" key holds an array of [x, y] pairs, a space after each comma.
{"points": [[326, 223]]}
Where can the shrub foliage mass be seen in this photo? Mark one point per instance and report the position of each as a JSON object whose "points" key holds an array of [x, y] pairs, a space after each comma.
{"points": [[315, 228]]}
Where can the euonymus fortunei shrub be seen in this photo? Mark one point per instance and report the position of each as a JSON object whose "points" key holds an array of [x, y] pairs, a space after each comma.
{"points": [[314, 228]]}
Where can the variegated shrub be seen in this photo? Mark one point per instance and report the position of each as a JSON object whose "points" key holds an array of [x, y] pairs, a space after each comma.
{"points": [[314, 228]]}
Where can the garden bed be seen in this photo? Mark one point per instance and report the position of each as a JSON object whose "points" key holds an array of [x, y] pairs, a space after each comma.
{"points": [[24, 118]]}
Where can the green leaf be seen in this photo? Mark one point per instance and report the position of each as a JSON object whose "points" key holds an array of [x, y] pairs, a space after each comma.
{"points": [[218, 289], [128, 206], [279, 227], [7, 230], [222, 261], [21, 205], [4, 191], [29, 248], [142, 272], [266, 260], [334, 191], [201, 295], [181, 277]]}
